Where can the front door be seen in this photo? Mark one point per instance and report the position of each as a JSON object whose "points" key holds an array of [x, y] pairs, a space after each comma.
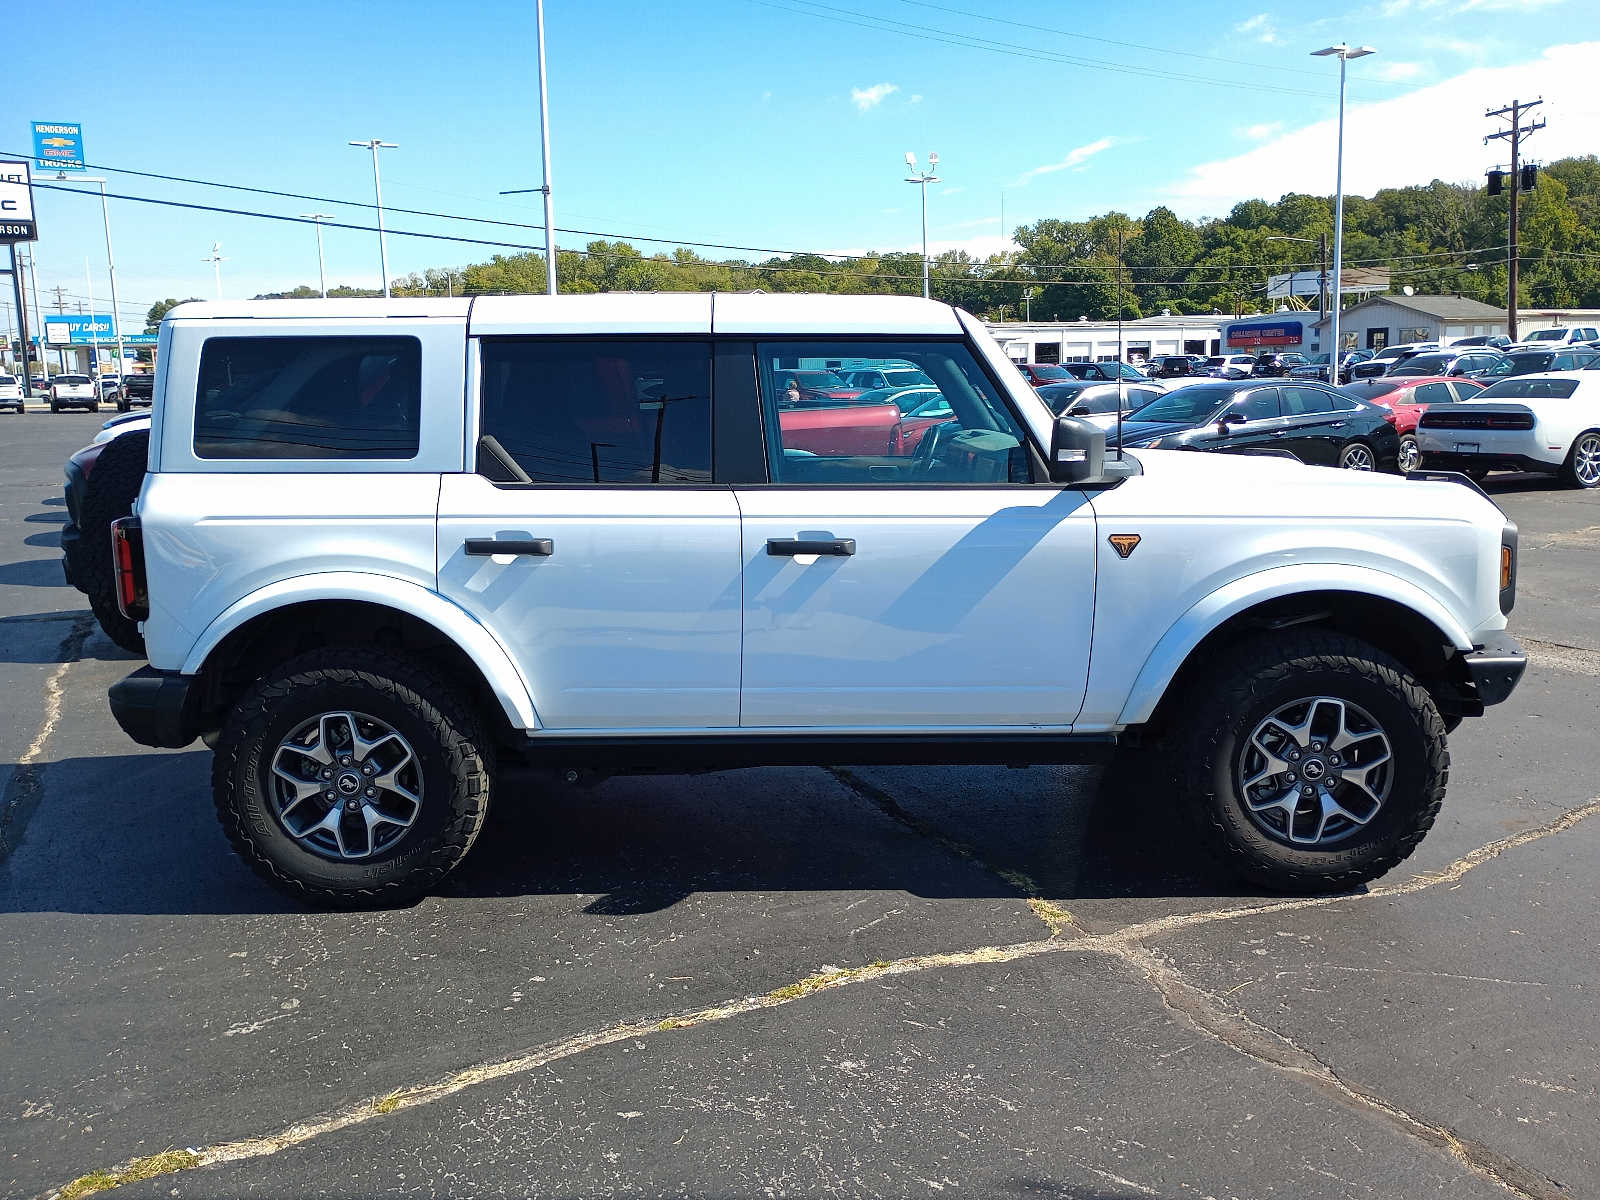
{"points": [[591, 542], [933, 587]]}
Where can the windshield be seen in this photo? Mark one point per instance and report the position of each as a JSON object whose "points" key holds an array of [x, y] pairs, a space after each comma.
{"points": [[906, 377], [1370, 389], [1508, 389], [1389, 352], [1522, 364], [1425, 364], [1191, 404], [814, 379], [1546, 335], [72, 379], [1048, 372]]}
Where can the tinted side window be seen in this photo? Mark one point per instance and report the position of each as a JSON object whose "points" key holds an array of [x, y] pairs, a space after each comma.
{"points": [[614, 411], [861, 440], [1432, 393], [1303, 401], [309, 397], [1259, 405]]}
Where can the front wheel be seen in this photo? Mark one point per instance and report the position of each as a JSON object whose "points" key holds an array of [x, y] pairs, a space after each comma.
{"points": [[1582, 468], [1410, 454], [1358, 456], [1315, 762], [352, 778]]}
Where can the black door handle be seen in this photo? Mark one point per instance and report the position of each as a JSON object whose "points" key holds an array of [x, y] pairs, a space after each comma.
{"points": [[539, 547], [792, 546]]}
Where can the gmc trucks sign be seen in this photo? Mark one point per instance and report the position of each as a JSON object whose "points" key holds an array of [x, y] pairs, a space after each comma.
{"points": [[16, 203]]}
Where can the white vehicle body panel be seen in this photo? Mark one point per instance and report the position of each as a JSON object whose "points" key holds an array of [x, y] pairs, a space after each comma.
{"points": [[10, 389], [960, 608], [74, 391], [1557, 422], [632, 622], [1438, 557]]}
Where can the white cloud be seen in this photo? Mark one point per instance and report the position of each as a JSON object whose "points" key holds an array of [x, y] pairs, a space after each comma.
{"points": [[1450, 113], [916, 98], [868, 98], [1074, 158], [1259, 133], [951, 191], [1259, 27], [1396, 72]]}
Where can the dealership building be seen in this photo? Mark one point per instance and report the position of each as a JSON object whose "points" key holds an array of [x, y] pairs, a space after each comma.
{"points": [[1098, 341]]}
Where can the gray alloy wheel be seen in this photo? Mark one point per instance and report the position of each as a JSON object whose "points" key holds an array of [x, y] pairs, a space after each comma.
{"points": [[1586, 460], [1315, 772], [345, 785], [1410, 457], [1357, 457]]}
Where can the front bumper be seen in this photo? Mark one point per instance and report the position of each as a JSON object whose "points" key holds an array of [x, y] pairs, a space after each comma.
{"points": [[157, 708], [1495, 668]]}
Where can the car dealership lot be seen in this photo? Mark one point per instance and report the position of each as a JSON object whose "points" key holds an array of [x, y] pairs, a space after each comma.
{"points": [[796, 981]]}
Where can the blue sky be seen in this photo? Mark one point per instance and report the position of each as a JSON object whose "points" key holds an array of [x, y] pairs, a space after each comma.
{"points": [[771, 123]]}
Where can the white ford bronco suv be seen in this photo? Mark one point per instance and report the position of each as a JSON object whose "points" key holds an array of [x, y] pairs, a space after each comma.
{"points": [[384, 545]]}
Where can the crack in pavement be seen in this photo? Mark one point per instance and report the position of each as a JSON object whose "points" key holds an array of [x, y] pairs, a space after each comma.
{"points": [[26, 785], [1202, 1011]]}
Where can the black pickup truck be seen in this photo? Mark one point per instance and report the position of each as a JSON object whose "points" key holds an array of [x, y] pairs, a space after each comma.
{"points": [[136, 389]]}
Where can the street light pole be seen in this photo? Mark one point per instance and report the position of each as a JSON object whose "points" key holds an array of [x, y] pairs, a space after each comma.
{"points": [[322, 267], [923, 178], [375, 144], [1345, 53], [544, 152]]}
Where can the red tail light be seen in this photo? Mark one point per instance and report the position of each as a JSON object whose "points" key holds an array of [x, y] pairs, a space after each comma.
{"points": [[1388, 415], [127, 564]]}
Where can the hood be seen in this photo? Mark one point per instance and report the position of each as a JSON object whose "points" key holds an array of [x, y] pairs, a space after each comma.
{"points": [[1250, 486]]}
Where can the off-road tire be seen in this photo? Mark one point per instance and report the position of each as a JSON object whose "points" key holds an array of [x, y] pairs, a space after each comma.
{"points": [[113, 485], [454, 753], [1569, 469], [1252, 681]]}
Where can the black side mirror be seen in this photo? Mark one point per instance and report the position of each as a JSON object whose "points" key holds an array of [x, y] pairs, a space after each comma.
{"points": [[1232, 417], [1077, 450]]}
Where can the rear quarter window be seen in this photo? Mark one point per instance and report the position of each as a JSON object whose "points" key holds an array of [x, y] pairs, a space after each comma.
{"points": [[309, 398]]}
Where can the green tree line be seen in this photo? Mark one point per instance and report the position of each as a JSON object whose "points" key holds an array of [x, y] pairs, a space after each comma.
{"points": [[1437, 238]]}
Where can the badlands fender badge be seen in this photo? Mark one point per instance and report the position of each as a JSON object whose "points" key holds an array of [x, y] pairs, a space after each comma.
{"points": [[1123, 543]]}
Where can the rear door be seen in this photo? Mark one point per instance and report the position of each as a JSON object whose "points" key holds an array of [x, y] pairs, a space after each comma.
{"points": [[1313, 431], [935, 589], [589, 536]]}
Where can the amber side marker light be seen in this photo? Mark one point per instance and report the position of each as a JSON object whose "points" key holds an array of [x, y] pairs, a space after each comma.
{"points": [[1505, 567]]}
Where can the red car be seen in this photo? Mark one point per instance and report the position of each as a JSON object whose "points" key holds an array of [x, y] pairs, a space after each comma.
{"points": [[842, 429], [818, 387], [1407, 397], [1042, 373]]}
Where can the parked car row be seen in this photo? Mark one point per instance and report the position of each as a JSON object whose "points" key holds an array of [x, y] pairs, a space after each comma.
{"points": [[68, 390]]}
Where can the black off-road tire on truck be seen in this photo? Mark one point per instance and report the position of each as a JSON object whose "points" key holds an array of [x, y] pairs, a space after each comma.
{"points": [[396, 704], [113, 485], [1241, 722]]}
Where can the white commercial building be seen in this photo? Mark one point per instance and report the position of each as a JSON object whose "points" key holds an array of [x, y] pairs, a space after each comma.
{"points": [[1097, 341]]}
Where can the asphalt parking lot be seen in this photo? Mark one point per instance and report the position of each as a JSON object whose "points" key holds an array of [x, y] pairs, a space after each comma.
{"points": [[801, 982]]}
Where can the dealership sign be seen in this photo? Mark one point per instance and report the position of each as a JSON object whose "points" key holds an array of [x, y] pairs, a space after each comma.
{"points": [[76, 330], [1267, 333], [16, 203], [58, 145]]}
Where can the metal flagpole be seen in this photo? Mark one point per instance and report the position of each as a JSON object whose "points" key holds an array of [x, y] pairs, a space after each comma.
{"points": [[94, 332]]}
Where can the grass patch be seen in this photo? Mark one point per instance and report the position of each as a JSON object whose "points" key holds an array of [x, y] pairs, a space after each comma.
{"points": [[387, 1105], [132, 1172], [1053, 915], [827, 979]]}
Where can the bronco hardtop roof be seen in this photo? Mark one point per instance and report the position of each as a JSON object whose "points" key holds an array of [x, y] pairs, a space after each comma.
{"points": [[621, 312]]}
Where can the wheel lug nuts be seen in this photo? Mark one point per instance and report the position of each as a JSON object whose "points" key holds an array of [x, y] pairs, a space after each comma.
{"points": [[329, 794], [1294, 756], [367, 768], [1307, 790], [1290, 776], [344, 760], [372, 792], [327, 772]]}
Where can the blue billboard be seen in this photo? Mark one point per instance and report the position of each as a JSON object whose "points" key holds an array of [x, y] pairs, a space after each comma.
{"points": [[58, 145], [77, 330]]}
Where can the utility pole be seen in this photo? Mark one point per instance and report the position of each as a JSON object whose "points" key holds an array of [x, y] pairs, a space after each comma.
{"points": [[61, 307], [322, 264], [38, 317], [1322, 288], [1517, 131], [22, 320], [216, 260]]}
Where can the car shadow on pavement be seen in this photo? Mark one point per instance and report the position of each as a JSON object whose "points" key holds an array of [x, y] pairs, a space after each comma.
{"points": [[36, 638], [33, 572], [638, 844]]}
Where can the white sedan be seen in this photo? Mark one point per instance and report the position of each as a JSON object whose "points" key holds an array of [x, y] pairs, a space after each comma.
{"points": [[1546, 423]]}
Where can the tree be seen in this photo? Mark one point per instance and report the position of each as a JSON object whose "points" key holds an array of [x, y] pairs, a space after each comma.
{"points": [[152, 319]]}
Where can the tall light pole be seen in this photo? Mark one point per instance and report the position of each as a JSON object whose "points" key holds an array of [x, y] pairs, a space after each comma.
{"points": [[923, 177], [374, 144], [544, 151], [1345, 53], [111, 260], [216, 260], [322, 266]]}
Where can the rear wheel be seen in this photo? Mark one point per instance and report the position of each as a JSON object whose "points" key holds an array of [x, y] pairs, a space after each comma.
{"points": [[1582, 468], [1313, 763], [352, 778], [1358, 456], [1410, 455]]}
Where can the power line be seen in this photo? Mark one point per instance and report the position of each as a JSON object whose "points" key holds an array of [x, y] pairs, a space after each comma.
{"points": [[1165, 51], [949, 37]]}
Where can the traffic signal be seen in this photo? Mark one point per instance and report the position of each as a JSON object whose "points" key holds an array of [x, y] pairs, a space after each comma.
{"points": [[1496, 182], [1529, 174]]}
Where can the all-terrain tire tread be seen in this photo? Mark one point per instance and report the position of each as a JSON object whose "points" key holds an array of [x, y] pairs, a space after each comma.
{"points": [[470, 764], [1253, 669], [115, 482]]}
